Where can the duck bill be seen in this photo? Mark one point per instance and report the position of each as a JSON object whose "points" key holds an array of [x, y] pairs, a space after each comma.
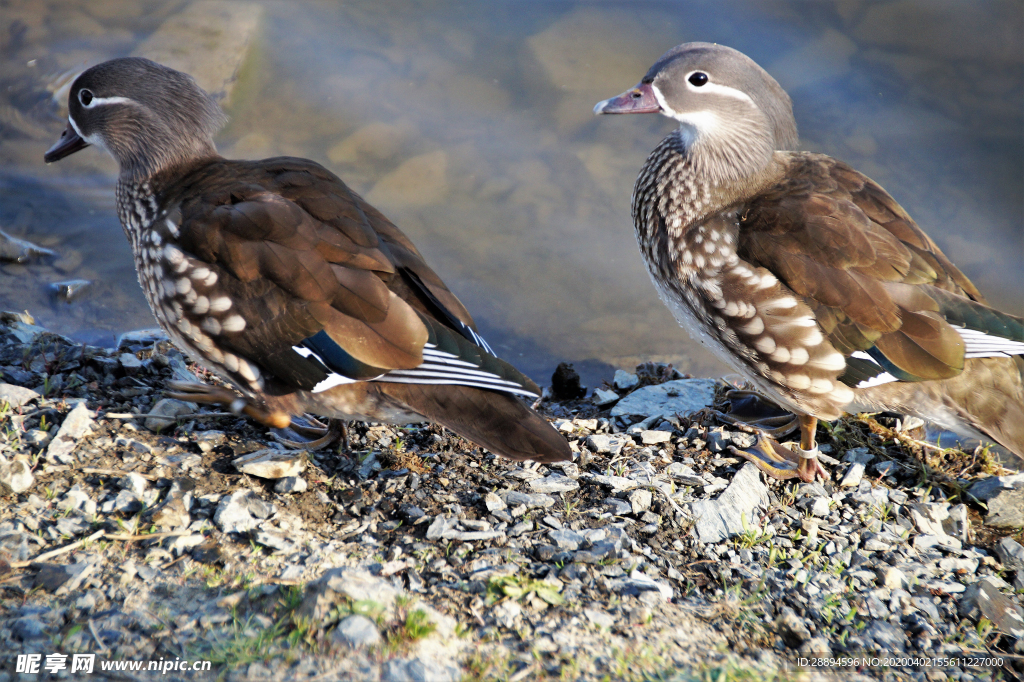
{"points": [[638, 100], [69, 143]]}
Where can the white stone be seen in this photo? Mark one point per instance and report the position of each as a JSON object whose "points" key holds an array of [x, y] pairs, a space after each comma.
{"points": [[680, 397], [604, 397], [356, 631], [271, 463], [218, 34], [556, 483], [232, 515], [290, 484], [506, 613], [853, 476], [603, 443], [624, 381], [601, 619], [640, 501], [15, 476], [616, 483], [719, 519], [163, 413], [649, 437], [78, 423], [891, 577], [16, 396], [493, 502]]}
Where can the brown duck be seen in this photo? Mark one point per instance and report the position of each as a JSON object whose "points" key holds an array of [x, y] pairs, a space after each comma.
{"points": [[803, 274], [283, 281]]}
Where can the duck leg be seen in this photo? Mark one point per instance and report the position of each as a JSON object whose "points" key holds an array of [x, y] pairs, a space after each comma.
{"points": [[218, 395], [775, 427], [781, 462]]}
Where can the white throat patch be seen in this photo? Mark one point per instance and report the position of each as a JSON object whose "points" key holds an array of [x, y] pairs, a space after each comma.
{"points": [[702, 122], [94, 140]]}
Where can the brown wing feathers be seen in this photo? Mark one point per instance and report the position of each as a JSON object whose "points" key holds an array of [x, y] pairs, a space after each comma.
{"points": [[305, 261], [836, 238], [264, 235], [496, 421]]}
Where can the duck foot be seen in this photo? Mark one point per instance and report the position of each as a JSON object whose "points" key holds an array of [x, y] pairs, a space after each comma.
{"points": [[218, 395], [778, 461], [758, 413], [777, 427], [309, 427]]}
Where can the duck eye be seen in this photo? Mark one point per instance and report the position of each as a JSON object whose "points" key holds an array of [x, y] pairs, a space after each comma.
{"points": [[85, 97], [698, 78]]}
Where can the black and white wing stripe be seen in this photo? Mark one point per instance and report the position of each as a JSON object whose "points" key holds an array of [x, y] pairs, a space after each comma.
{"points": [[440, 367], [868, 371], [333, 378], [468, 332], [443, 313], [977, 344], [982, 345], [475, 365]]}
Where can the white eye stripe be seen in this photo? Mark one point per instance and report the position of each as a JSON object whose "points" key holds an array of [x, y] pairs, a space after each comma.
{"points": [[724, 90], [97, 101]]}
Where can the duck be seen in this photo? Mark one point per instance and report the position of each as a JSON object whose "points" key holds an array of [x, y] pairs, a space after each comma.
{"points": [[804, 275], [284, 282]]}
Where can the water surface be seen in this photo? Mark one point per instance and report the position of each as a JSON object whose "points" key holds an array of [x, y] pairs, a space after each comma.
{"points": [[470, 126]]}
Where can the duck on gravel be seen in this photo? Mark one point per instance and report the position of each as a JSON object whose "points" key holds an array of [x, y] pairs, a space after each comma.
{"points": [[284, 282], [803, 274]]}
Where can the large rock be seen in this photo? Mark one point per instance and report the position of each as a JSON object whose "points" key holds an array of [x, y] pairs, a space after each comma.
{"points": [[376, 141], [605, 444], [1004, 497], [1010, 553], [22, 326], [16, 396], [624, 381], [681, 397], [63, 579], [555, 483], [354, 584], [983, 598], [78, 423], [420, 669], [587, 49], [514, 498], [218, 34], [722, 518], [241, 511], [419, 181]]}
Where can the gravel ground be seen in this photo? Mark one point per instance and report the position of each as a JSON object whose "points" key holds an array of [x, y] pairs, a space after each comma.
{"points": [[656, 555]]}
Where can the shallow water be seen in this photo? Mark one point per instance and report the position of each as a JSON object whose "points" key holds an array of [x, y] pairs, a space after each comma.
{"points": [[470, 126]]}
